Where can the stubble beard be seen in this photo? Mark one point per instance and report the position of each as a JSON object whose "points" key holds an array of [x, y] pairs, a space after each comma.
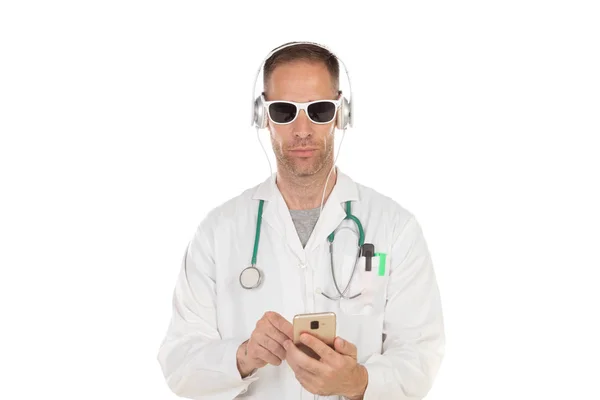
{"points": [[299, 169]]}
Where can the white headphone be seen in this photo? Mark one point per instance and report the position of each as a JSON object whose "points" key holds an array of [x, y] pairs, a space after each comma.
{"points": [[259, 113]]}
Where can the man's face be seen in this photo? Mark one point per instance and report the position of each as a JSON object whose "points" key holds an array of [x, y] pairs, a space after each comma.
{"points": [[302, 81]]}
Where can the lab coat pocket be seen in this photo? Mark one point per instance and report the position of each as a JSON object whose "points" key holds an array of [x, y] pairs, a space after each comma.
{"points": [[371, 284]]}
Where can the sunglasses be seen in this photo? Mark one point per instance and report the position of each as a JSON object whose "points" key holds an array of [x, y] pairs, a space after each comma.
{"points": [[285, 112]]}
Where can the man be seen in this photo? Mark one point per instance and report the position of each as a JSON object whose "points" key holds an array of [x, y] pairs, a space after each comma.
{"points": [[228, 338]]}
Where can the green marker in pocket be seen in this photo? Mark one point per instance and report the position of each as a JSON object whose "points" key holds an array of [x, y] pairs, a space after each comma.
{"points": [[382, 257]]}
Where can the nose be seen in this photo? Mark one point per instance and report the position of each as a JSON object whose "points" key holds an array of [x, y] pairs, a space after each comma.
{"points": [[302, 125]]}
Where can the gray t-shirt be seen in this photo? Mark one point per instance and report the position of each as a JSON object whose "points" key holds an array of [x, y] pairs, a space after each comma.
{"points": [[305, 221]]}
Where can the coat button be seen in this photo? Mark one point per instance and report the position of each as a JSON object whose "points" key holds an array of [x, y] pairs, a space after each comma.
{"points": [[301, 265]]}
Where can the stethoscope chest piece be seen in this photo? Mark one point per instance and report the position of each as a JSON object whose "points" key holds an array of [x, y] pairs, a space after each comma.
{"points": [[250, 277]]}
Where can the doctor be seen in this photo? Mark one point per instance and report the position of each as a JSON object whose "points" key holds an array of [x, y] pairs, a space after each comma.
{"points": [[307, 239]]}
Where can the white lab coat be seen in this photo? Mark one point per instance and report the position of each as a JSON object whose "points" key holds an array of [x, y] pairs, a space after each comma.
{"points": [[396, 324]]}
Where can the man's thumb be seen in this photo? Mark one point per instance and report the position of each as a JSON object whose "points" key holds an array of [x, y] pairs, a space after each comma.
{"points": [[340, 345], [343, 347]]}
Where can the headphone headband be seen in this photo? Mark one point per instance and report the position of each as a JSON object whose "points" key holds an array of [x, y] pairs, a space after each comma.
{"points": [[350, 102]]}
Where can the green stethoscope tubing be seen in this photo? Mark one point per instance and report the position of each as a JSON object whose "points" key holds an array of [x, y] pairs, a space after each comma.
{"points": [[361, 232], [257, 235]]}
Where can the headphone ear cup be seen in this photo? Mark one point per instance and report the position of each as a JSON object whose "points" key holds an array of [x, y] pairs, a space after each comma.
{"points": [[260, 114], [343, 115]]}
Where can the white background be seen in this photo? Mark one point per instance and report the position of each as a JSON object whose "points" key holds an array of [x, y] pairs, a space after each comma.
{"points": [[124, 122]]}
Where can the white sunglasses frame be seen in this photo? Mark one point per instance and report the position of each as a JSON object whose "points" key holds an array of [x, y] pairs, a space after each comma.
{"points": [[302, 106]]}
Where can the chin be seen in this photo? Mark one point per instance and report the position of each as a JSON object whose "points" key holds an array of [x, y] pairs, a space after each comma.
{"points": [[306, 171], [303, 172]]}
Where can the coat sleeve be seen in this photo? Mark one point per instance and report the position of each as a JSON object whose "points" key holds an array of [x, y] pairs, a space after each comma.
{"points": [[414, 339], [196, 361]]}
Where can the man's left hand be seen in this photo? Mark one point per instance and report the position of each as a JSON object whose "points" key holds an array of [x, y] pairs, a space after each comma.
{"points": [[336, 373]]}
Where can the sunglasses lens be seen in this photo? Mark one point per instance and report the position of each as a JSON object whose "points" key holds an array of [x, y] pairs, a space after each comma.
{"points": [[282, 113], [322, 111]]}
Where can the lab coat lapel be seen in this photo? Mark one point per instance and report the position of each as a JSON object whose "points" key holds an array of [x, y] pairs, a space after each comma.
{"points": [[331, 216], [334, 210], [277, 215]]}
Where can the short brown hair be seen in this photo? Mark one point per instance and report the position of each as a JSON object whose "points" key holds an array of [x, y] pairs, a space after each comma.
{"points": [[303, 52]]}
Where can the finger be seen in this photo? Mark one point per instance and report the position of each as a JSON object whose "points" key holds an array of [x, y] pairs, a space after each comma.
{"points": [[345, 347], [265, 355], [317, 345], [282, 324], [297, 359], [272, 345], [274, 333], [258, 351], [294, 356], [291, 354]]}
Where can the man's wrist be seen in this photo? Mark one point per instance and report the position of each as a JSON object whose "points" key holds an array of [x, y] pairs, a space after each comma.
{"points": [[243, 365], [361, 384]]}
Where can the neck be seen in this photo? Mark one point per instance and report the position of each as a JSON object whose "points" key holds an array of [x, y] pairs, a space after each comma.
{"points": [[303, 193]]}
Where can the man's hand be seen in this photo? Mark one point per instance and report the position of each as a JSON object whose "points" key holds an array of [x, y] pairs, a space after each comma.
{"points": [[265, 345], [336, 373]]}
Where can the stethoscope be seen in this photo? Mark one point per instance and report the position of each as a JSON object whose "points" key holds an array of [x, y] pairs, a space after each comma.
{"points": [[251, 277]]}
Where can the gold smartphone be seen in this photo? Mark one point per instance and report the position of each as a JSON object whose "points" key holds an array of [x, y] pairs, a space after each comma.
{"points": [[320, 325]]}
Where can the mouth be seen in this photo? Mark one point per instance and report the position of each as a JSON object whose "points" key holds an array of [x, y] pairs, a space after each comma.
{"points": [[303, 152]]}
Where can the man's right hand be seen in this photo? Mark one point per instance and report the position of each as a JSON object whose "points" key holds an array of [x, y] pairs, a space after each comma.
{"points": [[265, 345]]}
